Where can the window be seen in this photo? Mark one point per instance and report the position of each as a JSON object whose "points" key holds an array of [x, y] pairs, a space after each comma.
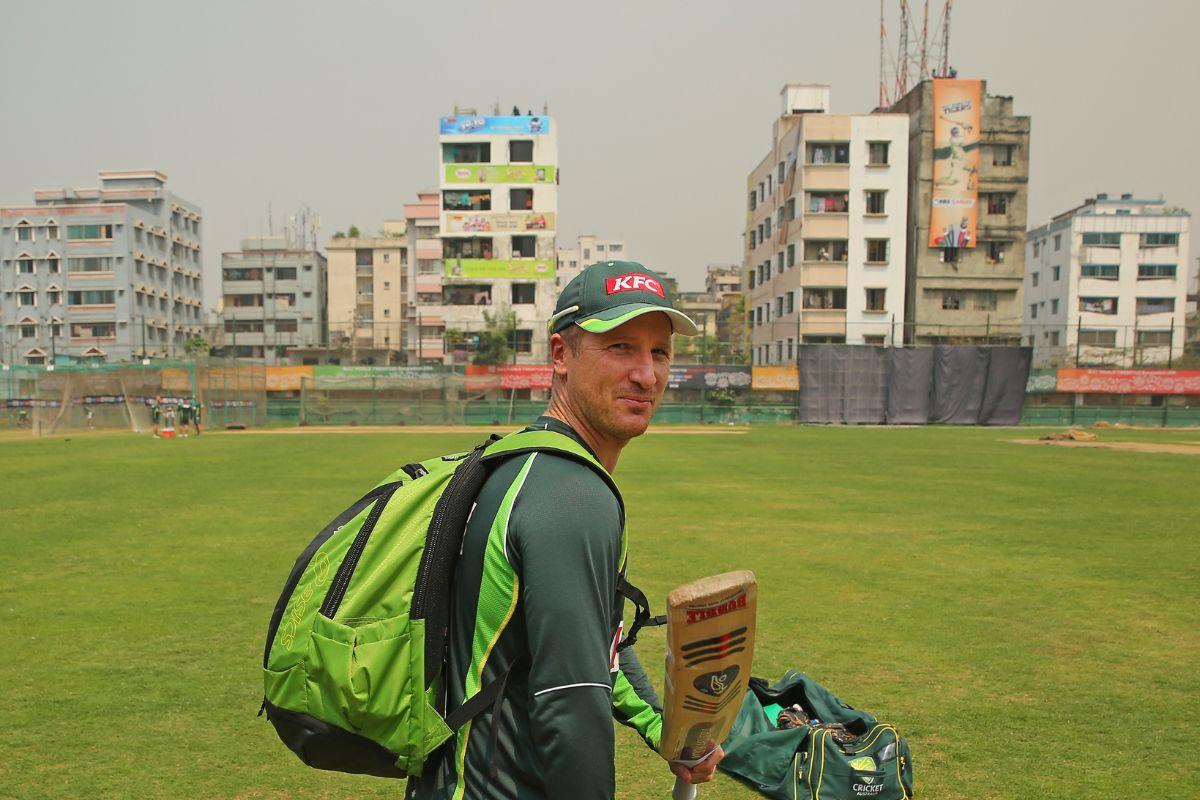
{"points": [[1155, 305], [24, 233], [875, 201], [791, 303], [779, 172], [289, 273], [615, 248], [470, 153], [753, 239], [985, 300], [93, 297], [825, 250], [523, 293], [292, 326], [238, 301], [1002, 155], [791, 208], [1053, 306], [1098, 338], [753, 277], [93, 330], [29, 331], [455, 200], [524, 246], [877, 153], [1101, 240], [758, 314], [995, 252], [828, 202], [520, 151], [284, 299], [243, 326], [779, 263], [779, 306], [53, 264], [52, 232], [25, 266], [877, 339], [363, 257], [877, 251], [1036, 245], [523, 340], [1055, 273], [948, 255], [1105, 271], [387, 257], [767, 226], [467, 247], [876, 299], [229, 274], [1054, 338], [753, 200], [477, 294], [89, 231], [951, 300], [1033, 279], [27, 298], [825, 298], [791, 255], [1033, 310], [997, 203], [1098, 305], [1159, 239], [1057, 241], [1154, 338], [520, 199], [1146, 271], [830, 153]]}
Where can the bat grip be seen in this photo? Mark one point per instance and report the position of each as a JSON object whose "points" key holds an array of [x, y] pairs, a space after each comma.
{"points": [[683, 790]]}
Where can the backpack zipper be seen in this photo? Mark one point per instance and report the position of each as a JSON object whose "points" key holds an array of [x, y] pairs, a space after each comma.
{"points": [[341, 581]]}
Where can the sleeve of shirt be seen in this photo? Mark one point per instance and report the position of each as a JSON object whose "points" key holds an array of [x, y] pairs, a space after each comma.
{"points": [[565, 544], [635, 703]]}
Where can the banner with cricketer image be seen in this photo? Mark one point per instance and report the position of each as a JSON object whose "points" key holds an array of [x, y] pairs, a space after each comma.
{"points": [[955, 211]]}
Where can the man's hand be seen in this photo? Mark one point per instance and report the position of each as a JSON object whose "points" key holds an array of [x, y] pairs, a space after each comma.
{"points": [[702, 772]]}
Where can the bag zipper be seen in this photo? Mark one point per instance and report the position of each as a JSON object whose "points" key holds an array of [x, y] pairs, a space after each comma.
{"points": [[341, 581]]}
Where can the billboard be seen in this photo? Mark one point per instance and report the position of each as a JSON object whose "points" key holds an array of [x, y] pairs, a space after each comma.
{"points": [[500, 268], [499, 173], [499, 221], [1129, 381], [287, 378], [701, 376], [955, 197], [482, 378], [495, 126], [782, 378]]}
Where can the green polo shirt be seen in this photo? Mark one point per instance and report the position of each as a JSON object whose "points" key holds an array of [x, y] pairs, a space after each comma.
{"points": [[536, 586]]}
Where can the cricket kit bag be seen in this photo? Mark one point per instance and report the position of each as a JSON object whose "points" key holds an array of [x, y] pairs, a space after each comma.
{"points": [[357, 642], [795, 740]]}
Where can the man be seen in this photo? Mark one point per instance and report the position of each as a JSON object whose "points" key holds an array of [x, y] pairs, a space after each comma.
{"points": [[535, 592]]}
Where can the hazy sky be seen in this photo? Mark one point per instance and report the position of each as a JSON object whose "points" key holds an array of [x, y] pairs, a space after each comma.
{"points": [[662, 107]]}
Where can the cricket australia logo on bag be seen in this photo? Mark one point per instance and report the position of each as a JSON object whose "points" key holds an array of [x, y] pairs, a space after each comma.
{"points": [[864, 785], [633, 282]]}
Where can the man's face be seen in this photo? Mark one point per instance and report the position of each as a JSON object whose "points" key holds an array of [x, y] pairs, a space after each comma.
{"points": [[616, 380]]}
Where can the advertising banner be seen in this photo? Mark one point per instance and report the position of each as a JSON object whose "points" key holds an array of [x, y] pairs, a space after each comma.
{"points": [[495, 126], [287, 379], [482, 378], [499, 173], [499, 221], [375, 371], [1129, 381], [782, 378], [955, 210], [700, 376], [500, 268]]}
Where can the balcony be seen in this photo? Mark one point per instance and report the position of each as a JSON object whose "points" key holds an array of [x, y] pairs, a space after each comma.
{"points": [[826, 226], [823, 273], [823, 322]]}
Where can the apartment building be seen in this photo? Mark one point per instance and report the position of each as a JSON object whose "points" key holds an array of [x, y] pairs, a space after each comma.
{"points": [[1106, 283], [588, 249], [103, 274], [367, 295], [965, 289], [825, 228], [273, 299], [499, 203], [424, 343]]}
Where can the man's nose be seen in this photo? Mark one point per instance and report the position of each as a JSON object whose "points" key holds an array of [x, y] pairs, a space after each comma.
{"points": [[642, 372]]}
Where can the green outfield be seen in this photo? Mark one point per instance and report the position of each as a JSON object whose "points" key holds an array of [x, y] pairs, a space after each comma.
{"points": [[1027, 615]]}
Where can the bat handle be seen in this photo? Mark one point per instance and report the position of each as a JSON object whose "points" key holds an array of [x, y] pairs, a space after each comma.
{"points": [[683, 790]]}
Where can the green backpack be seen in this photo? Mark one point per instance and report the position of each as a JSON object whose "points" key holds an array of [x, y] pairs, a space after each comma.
{"points": [[357, 642], [870, 760]]}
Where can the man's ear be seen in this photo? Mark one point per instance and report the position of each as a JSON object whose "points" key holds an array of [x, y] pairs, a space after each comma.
{"points": [[558, 354]]}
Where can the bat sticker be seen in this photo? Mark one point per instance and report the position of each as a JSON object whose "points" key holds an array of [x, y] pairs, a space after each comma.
{"points": [[715, 640], [716, 656], [695, 744], [693, 703], [715, 683]]}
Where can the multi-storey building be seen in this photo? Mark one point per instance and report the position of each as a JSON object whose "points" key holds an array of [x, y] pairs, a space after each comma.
{"points": [[1107, 283], [273, 299], [368, 292], [588, 249], [969, 293], [105, 274], [499, 202], [424, 340], [825, 228]]}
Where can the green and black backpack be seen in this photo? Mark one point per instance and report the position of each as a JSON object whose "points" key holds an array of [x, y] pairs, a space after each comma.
{"points": [[357, 642], [836, 753]]}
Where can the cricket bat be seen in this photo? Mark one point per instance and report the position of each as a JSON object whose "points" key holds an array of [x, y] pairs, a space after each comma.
{"points": [[710, 644]]}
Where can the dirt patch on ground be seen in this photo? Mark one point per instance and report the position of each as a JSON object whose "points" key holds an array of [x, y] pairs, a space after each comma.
{"points": [[1178, 448], [377, 429]]}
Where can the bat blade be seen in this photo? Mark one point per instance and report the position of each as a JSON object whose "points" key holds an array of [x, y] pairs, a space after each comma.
{"points": [[710, 645]]}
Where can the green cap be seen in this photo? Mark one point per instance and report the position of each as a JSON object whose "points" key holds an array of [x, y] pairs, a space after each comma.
{"points": [[610, 293]]}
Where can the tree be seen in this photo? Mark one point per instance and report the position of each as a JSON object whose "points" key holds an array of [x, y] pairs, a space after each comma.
{"points": [[340, 235], [353, 232], [497, 342], [197, 345]]}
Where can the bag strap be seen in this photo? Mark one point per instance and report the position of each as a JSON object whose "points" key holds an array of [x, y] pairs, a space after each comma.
{"points": [[490, 695], [641, 617]]}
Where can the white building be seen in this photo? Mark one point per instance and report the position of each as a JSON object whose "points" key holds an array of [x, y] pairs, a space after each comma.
{"points": [[1106, 283], [825, 238], [588, 249], [499, 208]]}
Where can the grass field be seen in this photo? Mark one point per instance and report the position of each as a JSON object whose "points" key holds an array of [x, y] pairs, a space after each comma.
{"points": [[1028, 616]]}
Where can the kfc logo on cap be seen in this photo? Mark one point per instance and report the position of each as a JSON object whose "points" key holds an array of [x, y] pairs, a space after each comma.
{"points": [[634, 282]]}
